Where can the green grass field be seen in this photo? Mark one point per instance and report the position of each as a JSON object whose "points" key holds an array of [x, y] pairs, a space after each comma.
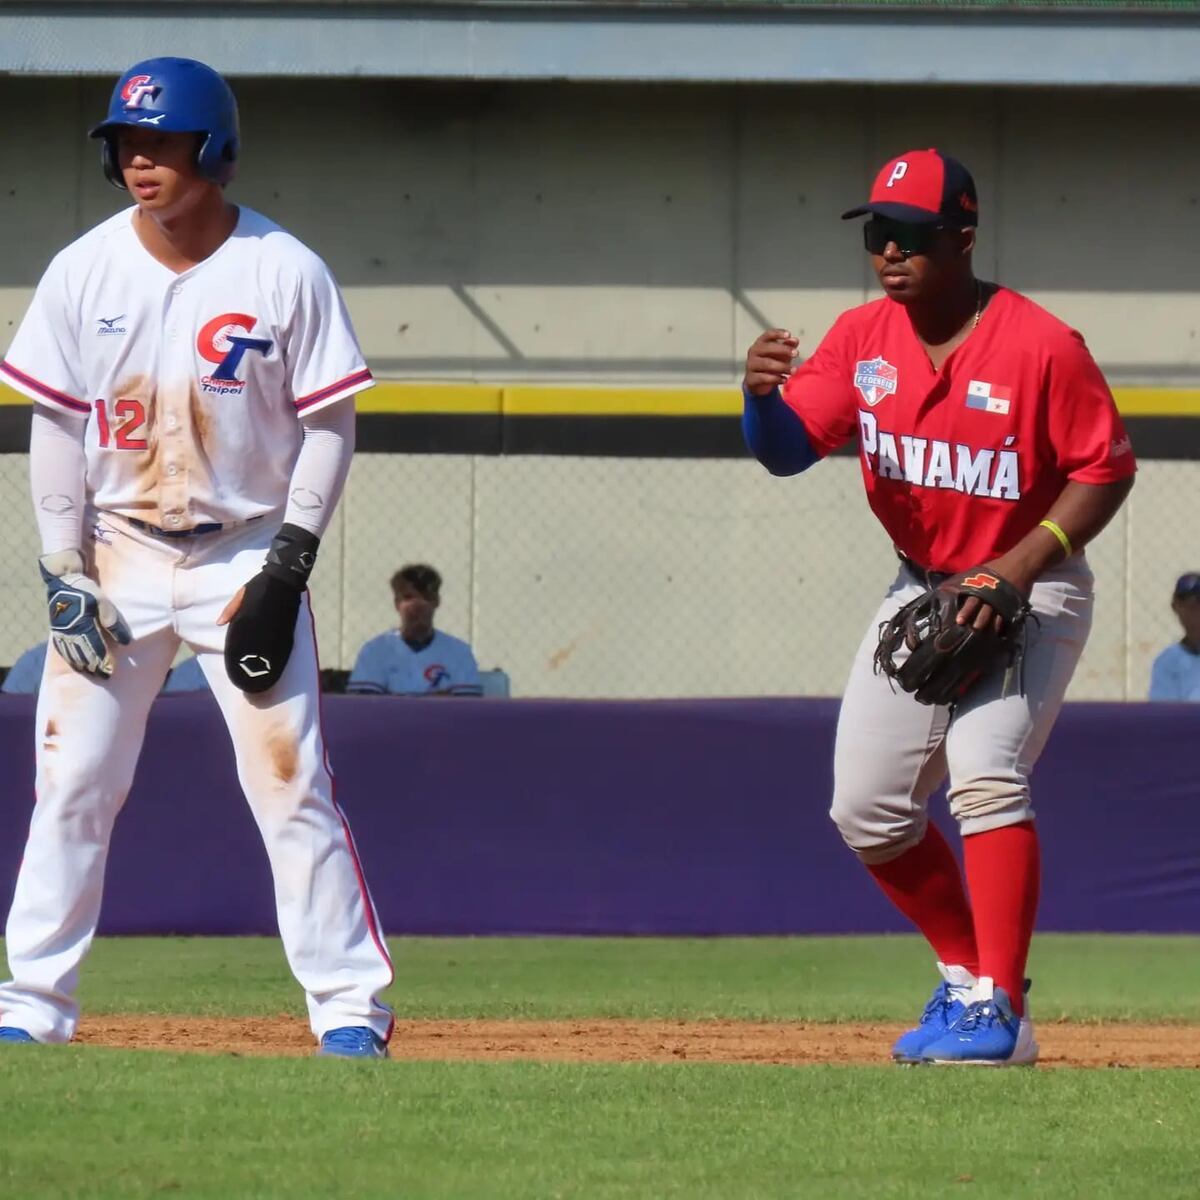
{"points": [[87, 1121]]}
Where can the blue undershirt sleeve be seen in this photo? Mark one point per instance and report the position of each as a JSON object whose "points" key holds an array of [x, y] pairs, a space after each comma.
{"points": [[775, 435]]}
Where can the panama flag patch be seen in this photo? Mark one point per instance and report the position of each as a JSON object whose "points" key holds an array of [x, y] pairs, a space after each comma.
{"points": [[988, 397]]}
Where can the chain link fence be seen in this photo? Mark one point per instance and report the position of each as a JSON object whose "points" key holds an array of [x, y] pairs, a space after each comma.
{"points": [[615, 577], [21, 588]]}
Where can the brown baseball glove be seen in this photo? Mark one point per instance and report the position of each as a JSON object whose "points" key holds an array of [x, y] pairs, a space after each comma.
{"points": [[945, 659]]}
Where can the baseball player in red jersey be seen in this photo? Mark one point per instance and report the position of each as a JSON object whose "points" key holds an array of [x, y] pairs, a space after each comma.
{"points": [[987, 438]]}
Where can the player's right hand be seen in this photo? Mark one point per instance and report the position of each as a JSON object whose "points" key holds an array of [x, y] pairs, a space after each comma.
{"points": [[261, 617], [769, 361], [80, 615]]}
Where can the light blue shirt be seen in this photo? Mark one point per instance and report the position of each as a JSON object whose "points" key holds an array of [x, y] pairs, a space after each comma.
{"points": [[1175, 674], [187, 677], [25, 677], [387, 665]]}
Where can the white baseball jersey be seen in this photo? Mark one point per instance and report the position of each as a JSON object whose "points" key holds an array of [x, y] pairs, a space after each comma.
{"points": [[192, 386], [191, 383], [387, 664], [1175, 674]]}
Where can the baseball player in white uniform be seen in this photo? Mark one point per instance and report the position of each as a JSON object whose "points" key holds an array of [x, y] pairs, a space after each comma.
{"points": [[192, 367]]}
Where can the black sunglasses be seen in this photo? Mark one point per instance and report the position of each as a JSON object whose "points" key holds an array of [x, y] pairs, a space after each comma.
{"points": [[910, 238]]}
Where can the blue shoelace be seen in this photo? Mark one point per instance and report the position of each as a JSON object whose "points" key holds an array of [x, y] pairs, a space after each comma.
{"points": [[982, 1012], [939, 1003]]}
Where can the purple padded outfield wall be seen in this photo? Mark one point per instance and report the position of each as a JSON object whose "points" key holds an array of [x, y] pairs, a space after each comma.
{"points": [[583, 817]]}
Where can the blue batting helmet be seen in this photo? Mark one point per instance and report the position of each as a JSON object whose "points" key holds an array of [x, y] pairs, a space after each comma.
{"points": [[179, 95]]}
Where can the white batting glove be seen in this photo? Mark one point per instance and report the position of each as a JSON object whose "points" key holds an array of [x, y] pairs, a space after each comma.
{"points": [[80, 614]]}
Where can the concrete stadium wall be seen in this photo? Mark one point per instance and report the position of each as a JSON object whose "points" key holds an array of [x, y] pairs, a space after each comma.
{"points": [[646, 234], [553, 231]]}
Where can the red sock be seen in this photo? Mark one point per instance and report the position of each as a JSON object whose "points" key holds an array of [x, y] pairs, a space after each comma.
{"points": [[924, 883], [1003, 869]]}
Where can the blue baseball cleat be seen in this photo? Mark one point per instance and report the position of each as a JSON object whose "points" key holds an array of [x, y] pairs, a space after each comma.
{"points": [[945, 1006], [10, 1033], [988, 1034], [352, 1041]]}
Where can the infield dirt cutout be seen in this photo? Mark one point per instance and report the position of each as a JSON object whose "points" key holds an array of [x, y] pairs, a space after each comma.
{"points": [[783, 1043]]}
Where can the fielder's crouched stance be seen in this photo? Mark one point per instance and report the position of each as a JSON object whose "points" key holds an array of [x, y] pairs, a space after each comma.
{"points": [[193, 371], [992, 452]]}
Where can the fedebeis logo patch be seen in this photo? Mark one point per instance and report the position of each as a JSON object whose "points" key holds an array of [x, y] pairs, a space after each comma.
{"points": [[875, 378]]}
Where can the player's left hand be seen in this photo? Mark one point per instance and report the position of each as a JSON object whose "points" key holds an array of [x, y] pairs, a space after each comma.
{"points": [[262, 615], [974, 611], [80, 615]]}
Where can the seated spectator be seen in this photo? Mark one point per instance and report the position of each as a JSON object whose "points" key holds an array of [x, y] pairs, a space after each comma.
{"points": [[416, 659], [186, 677], [1176, 671], [25, 676]]}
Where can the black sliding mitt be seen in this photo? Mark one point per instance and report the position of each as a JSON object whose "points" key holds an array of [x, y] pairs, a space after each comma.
{"points": [[262, 629]]}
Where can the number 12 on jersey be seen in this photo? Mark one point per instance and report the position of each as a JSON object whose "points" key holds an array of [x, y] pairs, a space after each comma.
{"points": [[130, 416]]}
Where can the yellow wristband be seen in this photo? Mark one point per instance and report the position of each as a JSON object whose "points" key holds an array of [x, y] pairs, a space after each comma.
{"points": [[1064, 541]]}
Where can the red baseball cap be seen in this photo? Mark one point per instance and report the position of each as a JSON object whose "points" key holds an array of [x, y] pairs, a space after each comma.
{"points": [[922, 186]]}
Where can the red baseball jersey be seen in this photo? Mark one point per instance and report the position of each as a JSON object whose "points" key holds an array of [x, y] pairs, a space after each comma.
{"points": [[960, 464]]}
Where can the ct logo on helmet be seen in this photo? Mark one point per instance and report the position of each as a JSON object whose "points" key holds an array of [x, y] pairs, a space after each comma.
{"points": [[222, 341], [138, 89]]}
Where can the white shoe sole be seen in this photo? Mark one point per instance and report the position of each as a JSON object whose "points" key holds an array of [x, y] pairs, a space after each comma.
{"points": [[1025, 1053]]}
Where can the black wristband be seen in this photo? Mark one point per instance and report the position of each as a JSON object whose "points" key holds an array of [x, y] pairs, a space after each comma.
{"points": [[292, 556]]}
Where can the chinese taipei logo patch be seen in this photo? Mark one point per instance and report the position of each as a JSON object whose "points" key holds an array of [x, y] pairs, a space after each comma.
{"points": [[875, 378], [224, 341]]}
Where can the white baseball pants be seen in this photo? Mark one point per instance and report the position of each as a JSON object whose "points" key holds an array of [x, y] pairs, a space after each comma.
{"points": [[89, 734], [892, 753]]}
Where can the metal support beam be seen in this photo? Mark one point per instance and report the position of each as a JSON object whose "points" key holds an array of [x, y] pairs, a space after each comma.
{"points": [[727, 45]]}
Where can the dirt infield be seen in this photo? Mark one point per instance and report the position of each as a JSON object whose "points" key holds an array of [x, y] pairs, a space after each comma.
{"points": [[785, 1043]]}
